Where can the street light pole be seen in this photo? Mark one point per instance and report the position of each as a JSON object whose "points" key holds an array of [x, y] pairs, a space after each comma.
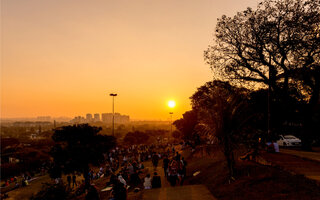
{"points": [[171, 113], [113, 95]]}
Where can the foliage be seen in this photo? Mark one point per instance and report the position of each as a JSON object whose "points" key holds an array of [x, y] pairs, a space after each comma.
{"points": [[276, 46], [186, 125], [224, 113], [78, 146], [269, 44], [177, 134], [136, 137]]}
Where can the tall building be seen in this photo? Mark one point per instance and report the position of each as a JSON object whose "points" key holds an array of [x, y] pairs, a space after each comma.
{"points": [[118, 118], [89, 117], [106, 117], [96, 117]]}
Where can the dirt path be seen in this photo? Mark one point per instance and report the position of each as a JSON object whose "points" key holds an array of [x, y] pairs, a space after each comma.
{"points": [[27, 192]]}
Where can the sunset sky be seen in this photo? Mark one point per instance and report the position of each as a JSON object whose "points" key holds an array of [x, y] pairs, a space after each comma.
{"points": [[64, 57]]}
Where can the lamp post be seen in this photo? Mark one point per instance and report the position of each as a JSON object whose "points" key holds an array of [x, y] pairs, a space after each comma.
{"points": [[113, 95], [171, 113]]}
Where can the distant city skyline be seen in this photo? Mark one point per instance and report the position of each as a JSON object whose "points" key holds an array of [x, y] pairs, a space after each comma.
{"points": [[68, 119], [102, 117]]}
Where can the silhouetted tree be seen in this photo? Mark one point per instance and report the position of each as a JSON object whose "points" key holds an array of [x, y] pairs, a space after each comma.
{"points": [[277, 45], [177, 134], [268, 44], [78, 146], [186, 125], [223, 111]]}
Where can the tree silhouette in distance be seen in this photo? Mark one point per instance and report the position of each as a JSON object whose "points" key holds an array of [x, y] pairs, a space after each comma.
{"points": [[78, 146]]}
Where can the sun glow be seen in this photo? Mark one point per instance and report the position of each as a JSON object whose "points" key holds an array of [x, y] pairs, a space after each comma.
{"points": [[171, 104]]}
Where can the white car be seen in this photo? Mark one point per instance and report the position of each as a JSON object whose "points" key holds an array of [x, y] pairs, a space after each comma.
{"points": [[288, 140]]}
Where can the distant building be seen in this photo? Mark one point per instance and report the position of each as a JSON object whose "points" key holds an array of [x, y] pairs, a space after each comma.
{"points": [[118, 118], [89, 117], [78, 120], [106, 117], [121, 119], [96, 117], [32, 124], [44, 118]]}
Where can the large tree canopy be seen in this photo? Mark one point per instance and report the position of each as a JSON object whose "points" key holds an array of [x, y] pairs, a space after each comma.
{"points": [[78, 146], [270, 45]]}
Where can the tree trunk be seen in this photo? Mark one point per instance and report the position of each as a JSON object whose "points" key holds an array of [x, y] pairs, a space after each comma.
{"points": [[228, 153], [230, 163], [308, 132]]}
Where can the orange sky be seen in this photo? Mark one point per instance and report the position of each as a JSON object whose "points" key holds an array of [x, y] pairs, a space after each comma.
{"points": [[64, 57]]}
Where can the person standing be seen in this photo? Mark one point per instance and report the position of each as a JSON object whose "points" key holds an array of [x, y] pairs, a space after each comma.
{"points": [[173, 172], [155, 160], [74, 180], [69, 180], [183, 171], [165, 165]]}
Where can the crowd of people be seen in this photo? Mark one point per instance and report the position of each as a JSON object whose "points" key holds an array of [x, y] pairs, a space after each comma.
{"points": [[131, 168], [126, 169], [175, 169]]}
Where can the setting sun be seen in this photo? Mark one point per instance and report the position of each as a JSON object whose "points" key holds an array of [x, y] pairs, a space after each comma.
{"points": [[171, 104]]}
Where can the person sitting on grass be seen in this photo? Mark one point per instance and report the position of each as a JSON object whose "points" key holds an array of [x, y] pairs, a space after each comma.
{"points": [[156, 181], [147, 182]]}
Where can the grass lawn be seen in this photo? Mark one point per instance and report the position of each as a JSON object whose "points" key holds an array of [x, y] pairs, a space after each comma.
{"points": [[252, 180]]}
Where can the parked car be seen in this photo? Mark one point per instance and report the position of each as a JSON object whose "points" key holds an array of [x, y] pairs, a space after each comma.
{"points": [[288, 140]]}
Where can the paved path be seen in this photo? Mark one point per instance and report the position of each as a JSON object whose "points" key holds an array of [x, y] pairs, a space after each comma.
{"points": [[166, 192], [188, 192], [303, 154]]}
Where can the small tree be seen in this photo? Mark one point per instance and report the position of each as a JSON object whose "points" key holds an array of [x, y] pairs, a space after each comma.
{"points": [[78, 146]]}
